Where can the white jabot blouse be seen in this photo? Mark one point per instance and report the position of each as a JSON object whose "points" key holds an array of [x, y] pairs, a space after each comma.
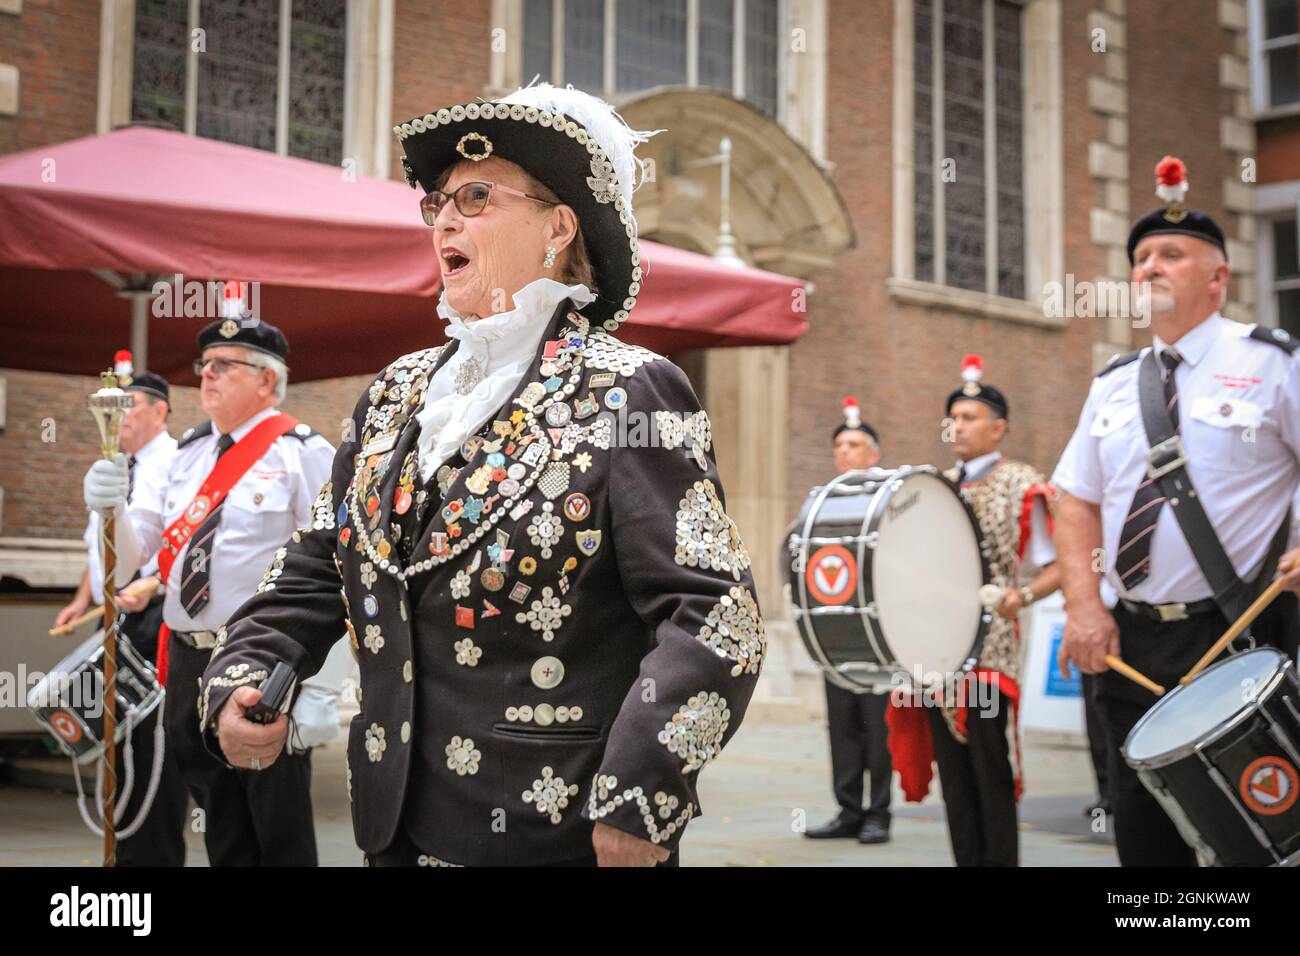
{"points": [[503, 346]]}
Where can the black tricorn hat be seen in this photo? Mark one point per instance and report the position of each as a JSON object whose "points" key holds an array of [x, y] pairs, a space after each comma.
{"points": [[573, 143]]}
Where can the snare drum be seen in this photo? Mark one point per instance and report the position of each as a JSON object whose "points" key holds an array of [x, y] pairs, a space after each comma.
{"points": [[1221, 754], [68, 700], [885, 570]]}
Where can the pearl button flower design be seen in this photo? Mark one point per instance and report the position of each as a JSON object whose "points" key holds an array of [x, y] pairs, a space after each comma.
{"points": [[368, 574], [545, 529], [462, 757], [546, 614], [550, 795], [466, 653], [460, 585], [374, 639], [375, 743]]}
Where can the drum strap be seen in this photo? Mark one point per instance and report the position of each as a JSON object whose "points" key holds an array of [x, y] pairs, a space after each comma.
{"points": [[1167, 463]]}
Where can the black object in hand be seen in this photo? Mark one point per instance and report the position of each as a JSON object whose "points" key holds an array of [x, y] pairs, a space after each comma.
{"points": [[275, 691]]}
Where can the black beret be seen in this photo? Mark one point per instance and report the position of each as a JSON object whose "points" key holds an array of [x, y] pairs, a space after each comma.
{"points": [[1173, 221], [861, 427], [979, 392], [151, 383], [259, 335], [1174, 218]]}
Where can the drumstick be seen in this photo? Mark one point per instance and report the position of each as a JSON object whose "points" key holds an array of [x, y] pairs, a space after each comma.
{"points": [[1243, 622], [73, 625], [1136, 676]]}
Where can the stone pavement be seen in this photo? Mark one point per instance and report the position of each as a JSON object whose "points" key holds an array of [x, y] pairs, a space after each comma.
{"points": [[771, 777]]}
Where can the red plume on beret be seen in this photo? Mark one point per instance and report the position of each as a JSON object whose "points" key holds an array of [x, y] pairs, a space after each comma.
{"points": [[1170, 171], [972, 368]]}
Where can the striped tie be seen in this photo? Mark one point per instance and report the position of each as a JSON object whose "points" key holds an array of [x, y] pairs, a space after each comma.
{"points": [[196, 586], [1133, 562]]}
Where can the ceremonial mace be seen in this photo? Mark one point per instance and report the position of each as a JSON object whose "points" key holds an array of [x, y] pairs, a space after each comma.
{"points": [[108, 405]]}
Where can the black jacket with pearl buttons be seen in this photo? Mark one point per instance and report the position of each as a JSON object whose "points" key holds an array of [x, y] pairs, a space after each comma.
{"points": [[560, 628]]}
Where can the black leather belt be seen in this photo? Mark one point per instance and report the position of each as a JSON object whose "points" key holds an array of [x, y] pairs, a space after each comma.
{"points": [[1165, 613], [199, 640]]}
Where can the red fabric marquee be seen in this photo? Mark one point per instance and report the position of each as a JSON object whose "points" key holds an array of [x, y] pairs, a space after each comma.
{"points": [[345, 263]]}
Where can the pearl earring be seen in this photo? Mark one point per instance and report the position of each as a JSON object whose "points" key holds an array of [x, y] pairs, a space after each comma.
{"points": [[550, 257]]}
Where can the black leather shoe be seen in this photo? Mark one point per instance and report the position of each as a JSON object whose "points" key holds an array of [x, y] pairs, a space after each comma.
{"points": [[873, 831], [841, 828]]}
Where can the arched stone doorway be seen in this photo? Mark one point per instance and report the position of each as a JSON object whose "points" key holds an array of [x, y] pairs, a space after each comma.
{"points": [[786, 216]]}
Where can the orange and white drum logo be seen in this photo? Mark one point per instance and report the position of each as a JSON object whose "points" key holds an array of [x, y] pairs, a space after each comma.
{"points": [[1269, 785], [832, 574], [66, 726]]}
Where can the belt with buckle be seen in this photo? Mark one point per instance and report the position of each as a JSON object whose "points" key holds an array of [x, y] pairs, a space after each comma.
{"points": [[1166, 613], [199, 640]]}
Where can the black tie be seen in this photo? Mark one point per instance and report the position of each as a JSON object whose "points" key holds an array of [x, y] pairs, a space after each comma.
{"points": [[1133, 562], [196, 585], [961, 474], [130, 477]]}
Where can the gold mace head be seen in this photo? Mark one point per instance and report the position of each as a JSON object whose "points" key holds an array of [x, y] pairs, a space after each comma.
{"points": [[108, 405]]}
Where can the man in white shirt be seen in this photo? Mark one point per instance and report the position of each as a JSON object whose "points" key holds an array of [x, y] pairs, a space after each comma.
{"points": [[143, 438], [221, 547], [1134, 587]]}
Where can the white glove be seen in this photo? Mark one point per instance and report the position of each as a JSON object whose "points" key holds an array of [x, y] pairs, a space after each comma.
{"points": [[314, 719], [106, 483]]}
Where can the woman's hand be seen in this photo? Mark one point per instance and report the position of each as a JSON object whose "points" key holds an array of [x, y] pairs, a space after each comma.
{"points": [[616, 848], [243, 741]]}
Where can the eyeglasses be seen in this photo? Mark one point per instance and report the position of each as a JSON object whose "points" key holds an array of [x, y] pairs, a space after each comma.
{"points": [[220, 366], [470, 198]]}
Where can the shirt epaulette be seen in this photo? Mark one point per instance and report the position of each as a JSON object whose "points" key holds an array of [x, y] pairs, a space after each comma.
{"points": [[1118, 360], [192, 434], [301, 432], [1278, 337]]}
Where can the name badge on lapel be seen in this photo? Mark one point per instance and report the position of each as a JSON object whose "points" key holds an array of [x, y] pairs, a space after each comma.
{"points": [[380, 444]]}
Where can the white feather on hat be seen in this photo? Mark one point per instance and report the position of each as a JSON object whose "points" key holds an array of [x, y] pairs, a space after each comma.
{"points": [[602, 123]]}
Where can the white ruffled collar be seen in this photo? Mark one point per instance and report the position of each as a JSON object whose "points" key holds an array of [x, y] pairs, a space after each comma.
{"points": [[534, 301]]}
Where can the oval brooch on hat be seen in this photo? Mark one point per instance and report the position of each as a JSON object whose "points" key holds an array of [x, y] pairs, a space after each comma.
{"points": [[570, 141]]}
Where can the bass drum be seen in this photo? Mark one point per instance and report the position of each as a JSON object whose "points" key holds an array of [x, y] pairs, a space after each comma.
{"points": [[885, 570]]}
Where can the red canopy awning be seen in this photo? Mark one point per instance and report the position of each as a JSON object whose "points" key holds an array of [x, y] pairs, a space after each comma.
{"points": [[345, 264]]}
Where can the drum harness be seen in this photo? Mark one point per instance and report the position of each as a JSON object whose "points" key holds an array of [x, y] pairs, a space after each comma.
{"points": [[1167, 464]]}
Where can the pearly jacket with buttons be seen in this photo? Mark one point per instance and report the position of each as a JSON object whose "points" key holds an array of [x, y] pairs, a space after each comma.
{"points": [[561, 627]]}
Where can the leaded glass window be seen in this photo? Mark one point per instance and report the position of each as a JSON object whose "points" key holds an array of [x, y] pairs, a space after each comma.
{"points": [[969, 205]]}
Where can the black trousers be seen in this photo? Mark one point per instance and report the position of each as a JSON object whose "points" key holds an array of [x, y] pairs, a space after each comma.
{"points": [[251, 817], [1144, 834], [160, 840], [1097, 747], [859, 745], [979, 788]]}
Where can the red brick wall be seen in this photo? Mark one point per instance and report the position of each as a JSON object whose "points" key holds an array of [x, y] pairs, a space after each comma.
{"points": [[903, 360], [441, 56], [55, 45], [1176, 104], [1279, 150]]}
